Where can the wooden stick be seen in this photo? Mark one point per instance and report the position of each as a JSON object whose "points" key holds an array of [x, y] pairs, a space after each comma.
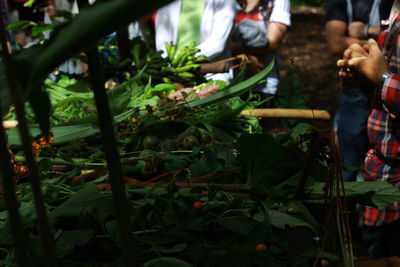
{"points": [[223, 66], [287, 113], [10, 124]]}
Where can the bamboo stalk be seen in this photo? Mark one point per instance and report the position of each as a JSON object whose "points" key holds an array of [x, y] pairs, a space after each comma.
{"points": [[17, 99], [287, 113], [17, 231], [122, 209], [9, 124]]}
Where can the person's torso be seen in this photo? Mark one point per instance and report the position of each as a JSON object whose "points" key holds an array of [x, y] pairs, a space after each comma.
{"points": [[361, 10], [384, 126], [251, 28]]}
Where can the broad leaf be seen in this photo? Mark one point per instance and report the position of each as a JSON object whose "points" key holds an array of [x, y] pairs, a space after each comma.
{"points": [[281, 220], [375, 194], [166, 262], [40, 103], [88, 200], [69, 240], [65, 134], [235, 90], [267, 163], [241, 227], [239, 77]]}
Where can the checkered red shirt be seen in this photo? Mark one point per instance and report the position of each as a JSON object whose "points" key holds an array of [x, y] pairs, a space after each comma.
{"points": [[383, 160]]}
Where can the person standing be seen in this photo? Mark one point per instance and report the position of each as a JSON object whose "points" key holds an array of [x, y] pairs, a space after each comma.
{"points": [[380, 71], [351, 22], [260, 27], [207, 22]]}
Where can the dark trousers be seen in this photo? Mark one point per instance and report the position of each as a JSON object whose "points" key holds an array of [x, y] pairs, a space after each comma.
{"points": [[383, 241], [350, 123]]}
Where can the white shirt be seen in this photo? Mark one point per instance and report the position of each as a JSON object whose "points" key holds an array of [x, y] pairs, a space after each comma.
{"points": [[216, 25]]}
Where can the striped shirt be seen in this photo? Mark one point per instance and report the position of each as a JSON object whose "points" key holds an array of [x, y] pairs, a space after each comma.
{"points": [[382, 162]]}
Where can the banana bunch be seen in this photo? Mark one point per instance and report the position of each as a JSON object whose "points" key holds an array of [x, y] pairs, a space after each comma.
{"points": [[183, 65], [179, 66], [149, 61]]}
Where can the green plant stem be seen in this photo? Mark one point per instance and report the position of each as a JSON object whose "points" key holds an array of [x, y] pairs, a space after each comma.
{"points": [[77, 162], [17, 98], [300, 191], [120, 200]]}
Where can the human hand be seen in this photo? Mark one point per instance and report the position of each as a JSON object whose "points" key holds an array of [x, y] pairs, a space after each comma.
{"points": [[51, 10], [255, 65], [354, 51], [356, 29], [363, 67]]}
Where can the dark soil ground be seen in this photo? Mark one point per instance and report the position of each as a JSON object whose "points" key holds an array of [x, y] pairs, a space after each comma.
{"points": [[305, 58]]}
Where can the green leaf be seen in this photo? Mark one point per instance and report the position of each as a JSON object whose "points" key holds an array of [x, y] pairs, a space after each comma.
{"points": [[20, 24], [90, 25], [281, 220], [166, 262], [163, 129], [235, 90], [176, 249], [40, 103], [71, 239], [65, 134], [267, 163], [119, 96], [88, 200], [376, 194], [239, 77], [29, 3], [241, 227]]}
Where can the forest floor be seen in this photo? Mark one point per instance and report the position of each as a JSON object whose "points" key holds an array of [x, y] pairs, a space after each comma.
{"points": [[310, 72], [306, 64]]}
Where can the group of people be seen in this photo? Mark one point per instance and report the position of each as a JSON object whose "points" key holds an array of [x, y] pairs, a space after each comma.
{"points": [[364, 34], [221, 28]]}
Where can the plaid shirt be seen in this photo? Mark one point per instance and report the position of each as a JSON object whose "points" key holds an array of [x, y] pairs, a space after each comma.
{"points": [[382, 162]]}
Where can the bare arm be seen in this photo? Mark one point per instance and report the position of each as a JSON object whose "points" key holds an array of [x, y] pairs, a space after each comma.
{"points": [[336, 35], [276, 32], [357, 29]]}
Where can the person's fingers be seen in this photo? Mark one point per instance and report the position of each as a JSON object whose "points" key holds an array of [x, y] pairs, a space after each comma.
{"points": [[347, 54], [346, 75], [373, 46], [355, 62], [342, 63], [366, 48], [355, 50]]}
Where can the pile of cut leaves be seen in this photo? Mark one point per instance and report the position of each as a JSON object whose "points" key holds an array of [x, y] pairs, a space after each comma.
{"points": [[204, 186], [198, 197]]}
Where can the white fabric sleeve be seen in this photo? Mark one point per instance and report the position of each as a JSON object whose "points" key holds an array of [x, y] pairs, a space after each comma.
{"points": [[224, 18], [281, 12], [167, 24]]}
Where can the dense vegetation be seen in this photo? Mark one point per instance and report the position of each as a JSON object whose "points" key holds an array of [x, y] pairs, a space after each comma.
{"points": [[145, 163]]}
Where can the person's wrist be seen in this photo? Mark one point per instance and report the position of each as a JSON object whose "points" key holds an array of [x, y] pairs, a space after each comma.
{"points": [[385, 76], [366, 31]]}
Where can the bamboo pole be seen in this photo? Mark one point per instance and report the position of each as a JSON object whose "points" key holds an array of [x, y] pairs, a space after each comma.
{"points": [[287, 113], [122, 209], [17, 99], [7, 173], [10, 124]]}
